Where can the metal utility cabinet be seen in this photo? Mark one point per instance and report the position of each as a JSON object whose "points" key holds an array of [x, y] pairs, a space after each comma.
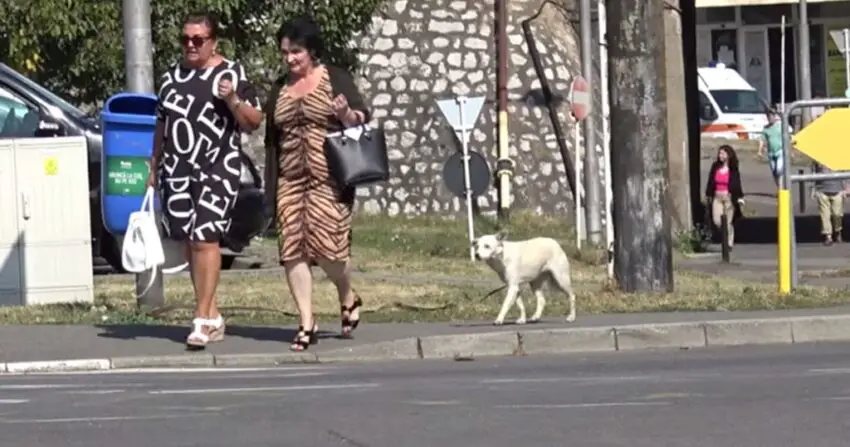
{"points": [[45, 228]]}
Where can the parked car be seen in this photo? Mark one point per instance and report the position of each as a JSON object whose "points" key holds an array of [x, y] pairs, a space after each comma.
{"points": [[29, 110]]}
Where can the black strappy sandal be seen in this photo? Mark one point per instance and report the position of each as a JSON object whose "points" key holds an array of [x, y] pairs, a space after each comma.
{"points": [[304, 338], [349, 324]]}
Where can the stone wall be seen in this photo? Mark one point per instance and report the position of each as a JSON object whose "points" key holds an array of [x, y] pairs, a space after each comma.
{"points": [[424, 50]]}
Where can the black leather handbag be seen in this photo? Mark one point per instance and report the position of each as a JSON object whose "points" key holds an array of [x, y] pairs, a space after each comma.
{"points": [[357, 156]]}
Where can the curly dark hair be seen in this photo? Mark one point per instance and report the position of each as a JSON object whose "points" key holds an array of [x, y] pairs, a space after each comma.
{"points": [[305, 32], [732, 157]]}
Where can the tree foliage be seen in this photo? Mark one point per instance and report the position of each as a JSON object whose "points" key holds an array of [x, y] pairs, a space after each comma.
{"points": [[76, 47]]}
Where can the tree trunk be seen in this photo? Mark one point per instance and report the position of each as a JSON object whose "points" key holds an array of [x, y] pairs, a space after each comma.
{"points": [[643, 256]]}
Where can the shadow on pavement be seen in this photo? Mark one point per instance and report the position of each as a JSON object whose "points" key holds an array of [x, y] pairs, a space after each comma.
{"points": [[261, 333], [177, 334]]}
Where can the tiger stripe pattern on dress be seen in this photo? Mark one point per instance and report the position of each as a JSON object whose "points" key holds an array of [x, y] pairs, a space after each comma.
{"points": [[313, 221]]}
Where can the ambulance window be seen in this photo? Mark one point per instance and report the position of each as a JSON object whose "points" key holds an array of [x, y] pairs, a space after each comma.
{"points": [[706, 109], [738, 101]]}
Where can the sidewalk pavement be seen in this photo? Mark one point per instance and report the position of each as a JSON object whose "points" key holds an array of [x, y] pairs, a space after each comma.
{"points": [[29, 349], [817, 265]]}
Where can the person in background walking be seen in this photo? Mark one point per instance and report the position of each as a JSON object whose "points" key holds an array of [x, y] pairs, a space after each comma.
{"points": [[830, 196], [771, 143], [205, 101], [313, 212], [724, 192]]}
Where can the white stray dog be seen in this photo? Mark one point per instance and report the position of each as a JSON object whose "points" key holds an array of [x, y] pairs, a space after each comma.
{"points": [[533, 261]]}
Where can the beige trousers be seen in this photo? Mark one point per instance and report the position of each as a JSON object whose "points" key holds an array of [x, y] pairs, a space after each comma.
{"points": [[831, 209], [722, 205]]}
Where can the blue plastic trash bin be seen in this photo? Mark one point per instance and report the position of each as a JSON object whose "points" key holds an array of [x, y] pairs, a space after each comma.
{"points": [[129, 121]]}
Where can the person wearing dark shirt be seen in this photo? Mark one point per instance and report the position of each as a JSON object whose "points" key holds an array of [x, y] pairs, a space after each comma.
{"points": [[205, 103]]}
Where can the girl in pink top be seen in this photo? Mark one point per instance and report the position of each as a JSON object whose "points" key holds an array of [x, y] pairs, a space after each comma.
{"points": [[721, 180], [723, 191]]}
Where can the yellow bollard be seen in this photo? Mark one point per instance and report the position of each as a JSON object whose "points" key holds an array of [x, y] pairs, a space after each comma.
{"points": [[783, 257]]}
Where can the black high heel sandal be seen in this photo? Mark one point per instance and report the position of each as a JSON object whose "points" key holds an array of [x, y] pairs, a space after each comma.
{"points": [[304, 338], [349, 324]]}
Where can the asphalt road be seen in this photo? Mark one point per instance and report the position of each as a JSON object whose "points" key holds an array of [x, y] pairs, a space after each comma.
{"points": [[738, 397]]}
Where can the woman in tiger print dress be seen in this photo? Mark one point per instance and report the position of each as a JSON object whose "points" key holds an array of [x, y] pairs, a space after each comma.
{"points": [[313, 213]]}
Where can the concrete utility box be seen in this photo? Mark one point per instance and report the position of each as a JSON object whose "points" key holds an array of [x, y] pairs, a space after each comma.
{"points": [[45, 225]]}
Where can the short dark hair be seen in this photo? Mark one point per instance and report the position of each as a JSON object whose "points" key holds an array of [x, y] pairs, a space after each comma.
{"points": [[304, 32], [203, 18]]}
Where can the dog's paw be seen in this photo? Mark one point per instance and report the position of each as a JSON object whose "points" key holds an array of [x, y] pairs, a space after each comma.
{"points": [[520, 321], [571, 318], [498, 323], [534, 320]]}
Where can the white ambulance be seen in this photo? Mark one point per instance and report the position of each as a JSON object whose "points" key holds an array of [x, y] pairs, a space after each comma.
{"points": [[729, 107]]}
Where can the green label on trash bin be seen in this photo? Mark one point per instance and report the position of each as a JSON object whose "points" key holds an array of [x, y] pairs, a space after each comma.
{"points": [[126, 176]]}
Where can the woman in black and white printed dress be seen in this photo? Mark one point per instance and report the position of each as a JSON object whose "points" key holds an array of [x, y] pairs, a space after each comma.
{"points": [[205, 102]]}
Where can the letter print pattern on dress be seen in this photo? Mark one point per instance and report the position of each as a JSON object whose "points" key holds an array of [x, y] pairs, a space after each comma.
{"points": [[200, 165]]}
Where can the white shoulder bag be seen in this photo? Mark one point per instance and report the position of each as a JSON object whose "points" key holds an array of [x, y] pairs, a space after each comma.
{"points": [[142, 248]]}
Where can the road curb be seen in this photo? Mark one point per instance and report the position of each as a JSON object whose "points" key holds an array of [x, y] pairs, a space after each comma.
{"points": [[524, 341]]}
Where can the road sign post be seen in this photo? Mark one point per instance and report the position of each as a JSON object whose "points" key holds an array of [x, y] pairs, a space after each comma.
{"points": [[580, 106], [462, 113], [581, 234]]}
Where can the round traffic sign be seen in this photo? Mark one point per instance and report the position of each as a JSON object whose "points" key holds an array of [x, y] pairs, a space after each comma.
{"points": [[580, 98], [479, 174]]}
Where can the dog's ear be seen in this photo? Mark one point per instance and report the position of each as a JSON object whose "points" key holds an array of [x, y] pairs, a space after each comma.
{"points": [[501, 235]]}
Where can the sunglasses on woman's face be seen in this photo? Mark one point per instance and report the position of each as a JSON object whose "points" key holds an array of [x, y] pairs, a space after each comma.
{"points": [[196, 41]]}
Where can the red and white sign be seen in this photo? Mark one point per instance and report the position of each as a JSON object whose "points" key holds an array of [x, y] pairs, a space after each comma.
{"points": [[580, 98]]}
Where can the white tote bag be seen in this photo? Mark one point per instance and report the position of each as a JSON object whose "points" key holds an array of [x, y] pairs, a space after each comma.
{"points": [[142, 248]]}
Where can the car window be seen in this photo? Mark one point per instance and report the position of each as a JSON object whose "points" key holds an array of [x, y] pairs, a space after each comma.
{"points": [[704, 104], [51, 97], [739, 101], [17, 119], [703, 100]]}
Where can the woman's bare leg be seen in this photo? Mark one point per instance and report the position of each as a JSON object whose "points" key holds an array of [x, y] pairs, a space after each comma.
{"points": [[205, 267], [339, 272], [300, 281]]}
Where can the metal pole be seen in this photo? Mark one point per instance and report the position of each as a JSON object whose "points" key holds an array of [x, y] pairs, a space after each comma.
{"points": [[606, 133], [579, 195], [138, 49], [801, 190], [804, 67], [782, 59], [591, 162], [138, 63], [784, 216], [504, 166], [786, 161], [846, 34], [724, 240], [467, 183]]}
